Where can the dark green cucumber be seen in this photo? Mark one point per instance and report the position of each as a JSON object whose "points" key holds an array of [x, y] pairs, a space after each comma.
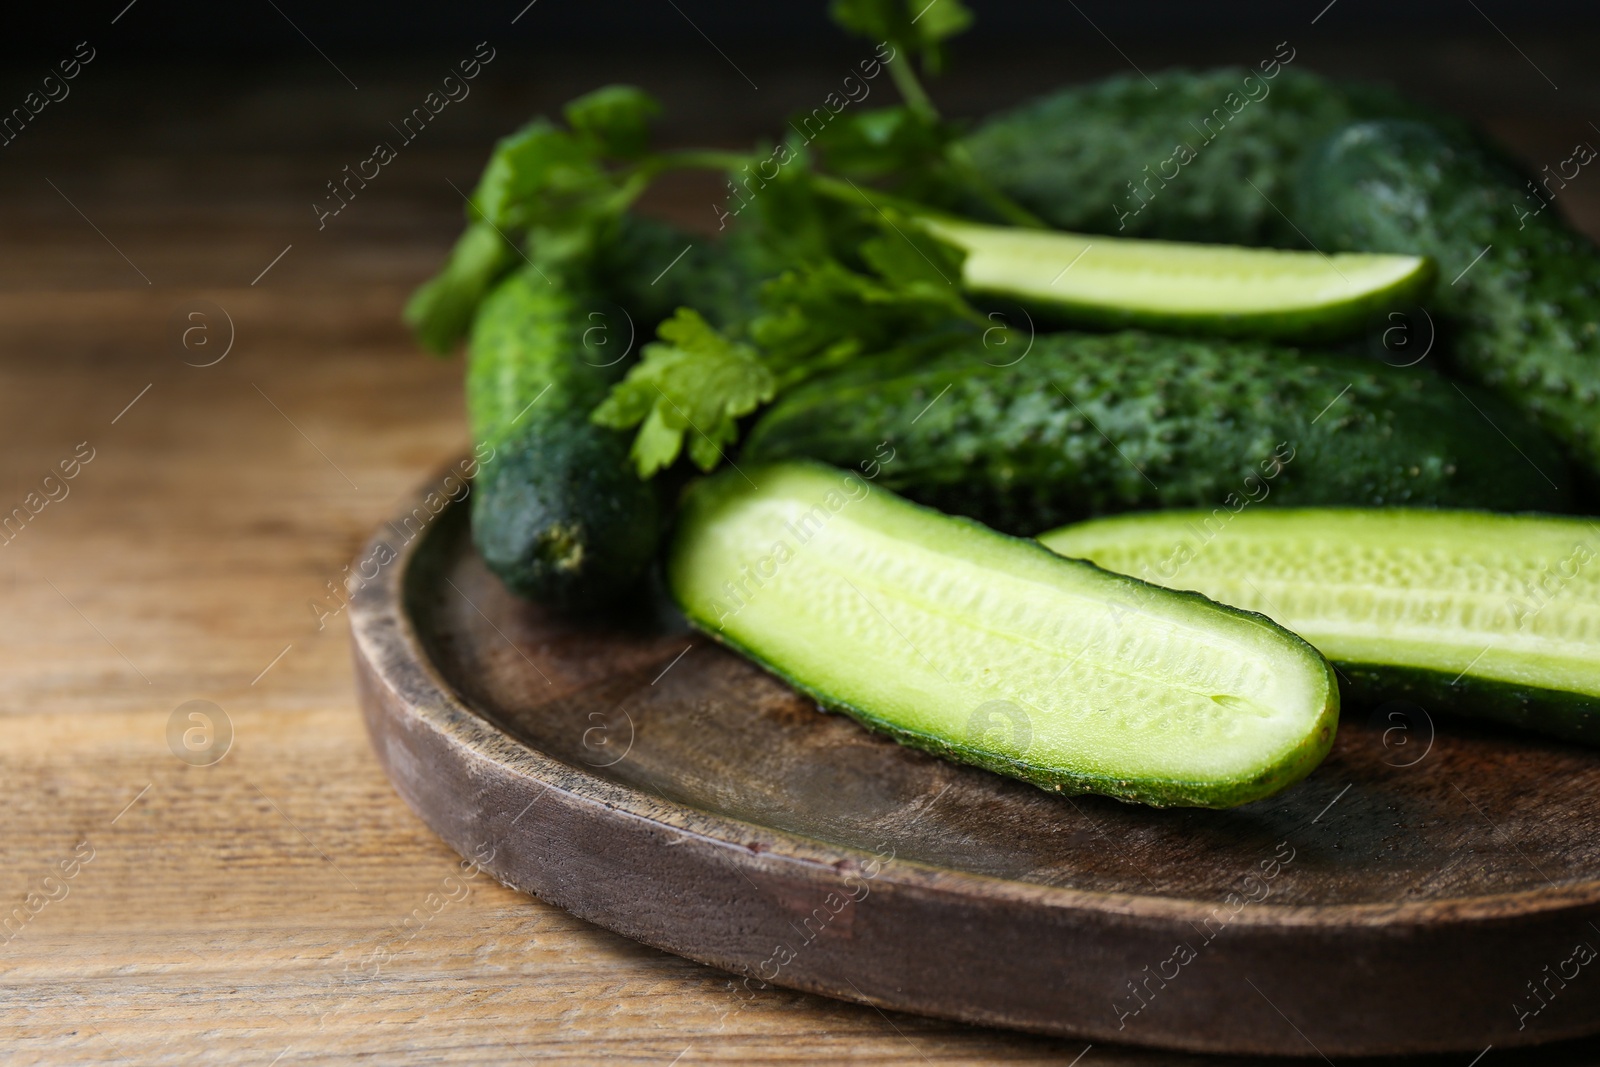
{"points": [[1188, 288], [1087, 424], [1494, 616], [990, 650], [652, 268], [1178, 163], [1519, 289], [557, 512]]}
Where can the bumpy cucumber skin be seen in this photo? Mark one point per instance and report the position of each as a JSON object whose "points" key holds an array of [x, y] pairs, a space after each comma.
{"points": [[1070, 156], [1525, 317], [1090, 424], [651, 268], [557, 511], [702, 497]]}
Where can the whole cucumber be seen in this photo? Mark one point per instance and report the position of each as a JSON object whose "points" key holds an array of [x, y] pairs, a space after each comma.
{"points": [[1519, 290], [1120, 157], [557, 511], [1089, 424]]}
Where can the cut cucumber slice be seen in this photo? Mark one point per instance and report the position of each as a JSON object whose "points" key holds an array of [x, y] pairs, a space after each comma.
{"points": [[1496, 616], [1217, 289], [990, 650]]}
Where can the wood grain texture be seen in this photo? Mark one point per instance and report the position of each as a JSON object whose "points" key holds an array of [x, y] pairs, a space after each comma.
{"points": [[226, 913]]}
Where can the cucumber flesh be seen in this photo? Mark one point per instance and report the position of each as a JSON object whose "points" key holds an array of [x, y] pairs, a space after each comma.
{"points": [[1220, 289], [990, 650], [1495, 608]]}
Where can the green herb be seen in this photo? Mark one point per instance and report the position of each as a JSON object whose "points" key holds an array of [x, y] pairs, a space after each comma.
{"points": [[920, 28], [614, 121], [911, 146], [848, 271], [546, 197], [441, 309], [694, 378], [867, 280]]}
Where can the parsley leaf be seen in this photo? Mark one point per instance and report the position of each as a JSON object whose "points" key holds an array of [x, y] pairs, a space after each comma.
{"points": [[920, 26], [819, 316], [535, 174], [615, 120], [885, 142], [441, 309], [547, 196], [694, 382]]}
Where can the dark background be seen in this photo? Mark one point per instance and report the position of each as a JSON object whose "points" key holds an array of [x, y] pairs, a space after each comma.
{"points": [[175, 29]]}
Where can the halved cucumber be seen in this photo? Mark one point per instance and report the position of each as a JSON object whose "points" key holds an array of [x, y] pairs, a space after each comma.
{"points": [[990, 650], [1496, 616], [1216, 289]]}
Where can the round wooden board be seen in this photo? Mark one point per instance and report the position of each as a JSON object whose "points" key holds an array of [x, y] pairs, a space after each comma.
{"points": [[1434, 885]]}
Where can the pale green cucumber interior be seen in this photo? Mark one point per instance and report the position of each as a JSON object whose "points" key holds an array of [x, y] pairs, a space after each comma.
{"points": [[924, 621], [1508, 598], [1167, 277]]}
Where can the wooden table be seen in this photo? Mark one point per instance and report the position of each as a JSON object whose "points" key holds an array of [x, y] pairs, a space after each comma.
{"points": [[229, 913]]}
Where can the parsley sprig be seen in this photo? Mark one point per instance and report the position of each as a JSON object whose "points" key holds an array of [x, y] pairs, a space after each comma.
{"points": [[848, 270]]}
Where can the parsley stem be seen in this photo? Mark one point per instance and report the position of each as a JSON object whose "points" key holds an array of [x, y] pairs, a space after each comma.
{"points": [[1003, 205], [910, 86], [702, 159], [638, 179], [955, 153]]}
